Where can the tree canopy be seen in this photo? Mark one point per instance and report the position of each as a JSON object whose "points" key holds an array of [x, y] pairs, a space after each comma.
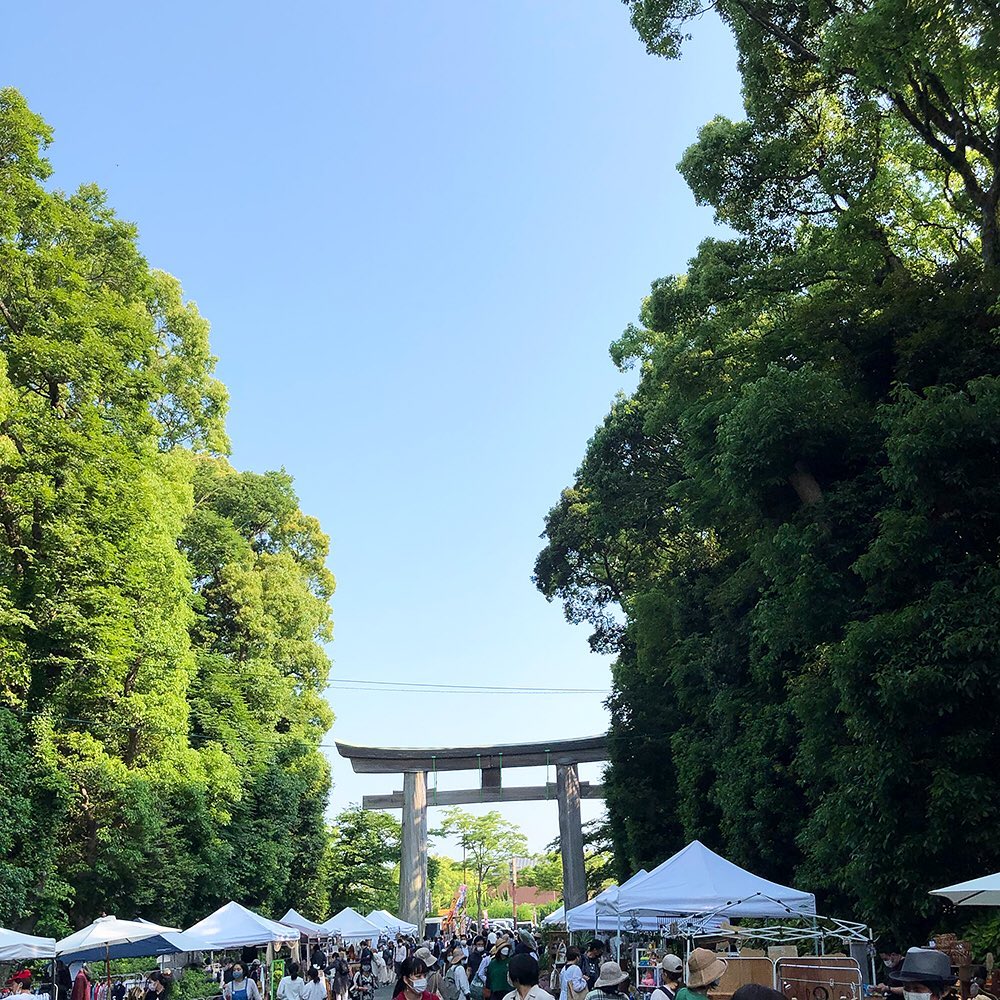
{"points": [[788, 532], [162, 615]]}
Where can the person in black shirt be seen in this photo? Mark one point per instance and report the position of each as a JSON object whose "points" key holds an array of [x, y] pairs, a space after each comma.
{"points": [[591, 963]]}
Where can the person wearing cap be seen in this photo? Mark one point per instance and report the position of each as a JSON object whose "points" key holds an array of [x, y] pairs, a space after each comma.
{"points": [[925, 974], [496, 971], [611, 983], [705, 969], [20, 983], [572, 977], [671, 969], [523, 975], [433, 969]]}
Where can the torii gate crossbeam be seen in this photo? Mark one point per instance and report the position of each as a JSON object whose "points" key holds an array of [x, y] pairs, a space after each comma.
{"points": [[414, 764]]}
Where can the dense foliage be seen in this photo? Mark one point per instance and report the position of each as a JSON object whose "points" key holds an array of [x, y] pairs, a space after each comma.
{"points": [[162, 616], [789, 533], [362, 863]]}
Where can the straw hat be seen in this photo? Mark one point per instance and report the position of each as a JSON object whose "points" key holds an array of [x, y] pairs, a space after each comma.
{"points": [[503, 942], [704, 968], [611, 975]]}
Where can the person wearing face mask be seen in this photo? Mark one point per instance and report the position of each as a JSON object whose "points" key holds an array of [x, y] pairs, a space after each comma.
{"points": [[433, 965], [364, 982], [411, 983], [924, 975], [892, 959], [240, 987], [476, 955], [496, 971]]}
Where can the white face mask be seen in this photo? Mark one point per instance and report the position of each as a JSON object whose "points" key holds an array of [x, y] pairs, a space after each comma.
{"points": [[419, 985], [909, 995]]}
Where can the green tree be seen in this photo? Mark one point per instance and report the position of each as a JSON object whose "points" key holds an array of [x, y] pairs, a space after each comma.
{"points": [[361, 868], [144, 735], [490, 843]]}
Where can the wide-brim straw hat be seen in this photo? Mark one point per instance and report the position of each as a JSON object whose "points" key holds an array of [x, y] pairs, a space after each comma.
{"points": [[611, 975], [704, 968], [503, 942]]}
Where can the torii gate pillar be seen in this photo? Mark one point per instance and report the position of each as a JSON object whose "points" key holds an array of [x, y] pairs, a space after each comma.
{"points": [[413, 859], [571, 835]]}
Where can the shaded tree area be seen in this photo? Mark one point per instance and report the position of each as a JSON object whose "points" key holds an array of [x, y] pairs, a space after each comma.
{"points": [[162, 615], [788, 533]]}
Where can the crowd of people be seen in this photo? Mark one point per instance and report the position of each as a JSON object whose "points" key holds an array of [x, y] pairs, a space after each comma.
{"points": [[474, 967]]}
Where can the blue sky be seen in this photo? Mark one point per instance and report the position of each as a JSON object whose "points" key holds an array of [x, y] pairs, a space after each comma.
{"points": [[415, 228]]}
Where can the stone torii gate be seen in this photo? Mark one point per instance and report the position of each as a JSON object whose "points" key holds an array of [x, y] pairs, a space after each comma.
{"points": [[489, 761]]}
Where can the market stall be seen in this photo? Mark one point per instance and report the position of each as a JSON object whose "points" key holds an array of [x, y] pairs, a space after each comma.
{"points": [[303, 925], [349, 925], [234, 926], [15, 946], [390, 924]]}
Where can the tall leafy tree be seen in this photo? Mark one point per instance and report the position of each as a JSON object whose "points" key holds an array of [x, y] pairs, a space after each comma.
{"points": [[111, 424]]}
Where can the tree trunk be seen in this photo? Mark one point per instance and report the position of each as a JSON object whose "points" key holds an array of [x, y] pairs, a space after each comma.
{"points": [[805, 485], [991, 235]]}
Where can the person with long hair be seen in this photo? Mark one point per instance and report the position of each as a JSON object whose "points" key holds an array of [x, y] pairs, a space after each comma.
{"points": [[411, 980], [315, 987], [292, 985]]}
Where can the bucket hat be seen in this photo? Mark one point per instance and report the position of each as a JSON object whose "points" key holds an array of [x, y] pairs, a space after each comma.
{"points": [[611, 975], [925, 965], [704, 968]]}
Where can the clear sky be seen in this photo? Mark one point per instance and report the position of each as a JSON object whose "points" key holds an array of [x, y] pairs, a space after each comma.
{"points": [[415, 227]]}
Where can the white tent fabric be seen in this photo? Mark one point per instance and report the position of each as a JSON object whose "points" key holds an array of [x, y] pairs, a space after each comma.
{"points": [[697, 880], [15, 946], [107, 932], [393, 925], [234, 926], [600, 913], [556, 918], [308, 927], [984, 891], [351, 926]]}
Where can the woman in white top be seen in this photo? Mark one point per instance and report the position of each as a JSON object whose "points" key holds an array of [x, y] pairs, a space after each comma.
{"points": [[315, 987], [572, 974], [292, 986]]}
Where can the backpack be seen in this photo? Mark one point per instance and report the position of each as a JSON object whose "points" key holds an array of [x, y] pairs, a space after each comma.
{"points": [[449, 988]]}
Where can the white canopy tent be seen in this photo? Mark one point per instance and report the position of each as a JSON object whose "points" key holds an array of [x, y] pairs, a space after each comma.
{"points": [[351, 926], [592, 915], [696, 880], [303, 924], [109, 937], [15, 946], [390, 924], [984, 891], [234, 926], [556, 918]]}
